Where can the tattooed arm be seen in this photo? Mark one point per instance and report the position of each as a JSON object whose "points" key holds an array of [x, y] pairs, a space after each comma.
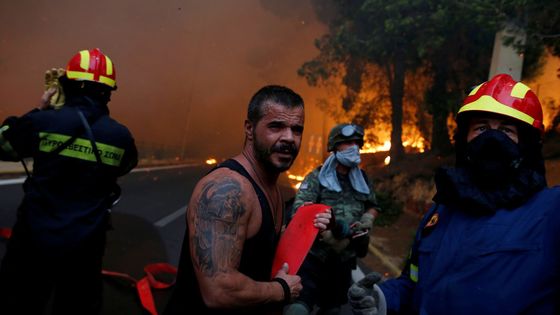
{"points": [[222, 213]]}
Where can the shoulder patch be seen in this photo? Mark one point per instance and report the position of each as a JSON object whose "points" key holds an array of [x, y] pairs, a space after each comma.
{"points": [[433, 221], [303, 185]]}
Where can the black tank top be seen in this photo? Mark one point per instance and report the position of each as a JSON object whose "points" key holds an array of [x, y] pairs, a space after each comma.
{"points": [[256, 261]]}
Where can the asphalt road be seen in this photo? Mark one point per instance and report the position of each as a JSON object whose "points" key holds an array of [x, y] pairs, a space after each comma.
{"points": [[149, 225]]}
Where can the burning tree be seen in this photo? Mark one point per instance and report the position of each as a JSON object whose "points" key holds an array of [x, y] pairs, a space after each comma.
{"points": [[375, 49], [390, 40]]}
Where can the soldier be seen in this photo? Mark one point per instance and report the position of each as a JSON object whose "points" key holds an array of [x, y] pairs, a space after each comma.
{"points": [[327, 270]]}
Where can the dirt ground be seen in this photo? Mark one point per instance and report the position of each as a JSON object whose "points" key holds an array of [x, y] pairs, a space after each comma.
{"points": [[389, 246]]}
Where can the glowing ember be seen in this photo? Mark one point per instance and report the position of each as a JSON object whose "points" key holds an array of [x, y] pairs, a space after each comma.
{"points": [[211, 161], [387, 160]]}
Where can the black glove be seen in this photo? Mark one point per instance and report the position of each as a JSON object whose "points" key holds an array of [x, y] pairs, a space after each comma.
{"points": [[366, 298], [338, 245], [360, 244], [341, 230]]}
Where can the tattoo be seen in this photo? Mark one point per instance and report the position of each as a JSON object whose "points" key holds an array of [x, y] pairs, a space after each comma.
{"points": [[215, 241]]}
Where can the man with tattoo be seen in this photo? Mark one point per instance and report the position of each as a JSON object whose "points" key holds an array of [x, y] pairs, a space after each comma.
{"points": [[235, 216]]}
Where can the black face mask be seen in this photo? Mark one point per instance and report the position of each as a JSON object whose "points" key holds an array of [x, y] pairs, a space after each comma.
{"points": [[493, 158]]}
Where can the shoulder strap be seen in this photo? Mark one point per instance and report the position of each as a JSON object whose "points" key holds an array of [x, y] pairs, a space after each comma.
{"points": [[237, 167], [71, 140], [89, 134]]}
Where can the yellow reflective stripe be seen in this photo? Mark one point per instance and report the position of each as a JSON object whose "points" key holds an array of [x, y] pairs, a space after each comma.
{"points": [[473, 92], [519, 90], [414, 272], [79, 75], [109, 65], [488, 104], [107, 81], [80, 148], [5, 144], [84, 59]]}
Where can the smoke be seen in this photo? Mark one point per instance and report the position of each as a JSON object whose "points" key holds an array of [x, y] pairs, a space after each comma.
{"points": [[185, 69], [322, 10]]}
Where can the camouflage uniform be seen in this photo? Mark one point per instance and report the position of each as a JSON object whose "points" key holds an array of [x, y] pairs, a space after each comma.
{"points": [[347, 205], [327, 273]]}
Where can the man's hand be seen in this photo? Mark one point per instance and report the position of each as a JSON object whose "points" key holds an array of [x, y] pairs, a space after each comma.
{"points": [[293, 281], [57, 98], [365, 223], [366, 298], [45, 101], [322, 220]]}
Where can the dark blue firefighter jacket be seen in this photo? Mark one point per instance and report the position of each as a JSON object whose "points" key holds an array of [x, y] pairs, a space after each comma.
{"points": [[68, 194], [507, 262]]}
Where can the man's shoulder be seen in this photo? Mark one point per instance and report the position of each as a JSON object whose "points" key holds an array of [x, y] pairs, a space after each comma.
{"points": [[114, 125], [314, 174], [223, 173], [554, 189], [310, 180], [224, 192], [549, 195], [226, 180], [37, 115]]}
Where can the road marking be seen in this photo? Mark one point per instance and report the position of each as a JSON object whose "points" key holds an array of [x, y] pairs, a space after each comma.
{"points": [[384, 260], [12, 181], [20, 180], [159, 168], [171, 217]]}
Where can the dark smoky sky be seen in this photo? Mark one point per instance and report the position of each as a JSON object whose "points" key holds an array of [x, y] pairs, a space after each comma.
{"points": [[185, 69]]}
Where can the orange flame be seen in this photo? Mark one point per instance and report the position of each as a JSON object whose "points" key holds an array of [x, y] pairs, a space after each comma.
{"points": [[211, 161], [371, 148], [295, 179], [412, 141]]}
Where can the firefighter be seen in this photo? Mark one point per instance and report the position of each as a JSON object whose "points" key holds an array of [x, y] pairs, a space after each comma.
{"points": [[490, 243], [326, 272], [78, 153]]}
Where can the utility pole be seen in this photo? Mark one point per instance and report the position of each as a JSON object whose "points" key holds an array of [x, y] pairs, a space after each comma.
{"points": [[506, 59]]}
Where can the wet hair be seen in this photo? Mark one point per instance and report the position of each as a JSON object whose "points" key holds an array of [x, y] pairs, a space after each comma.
{"points": [[271, 94], [529, 140], [74, 88]]}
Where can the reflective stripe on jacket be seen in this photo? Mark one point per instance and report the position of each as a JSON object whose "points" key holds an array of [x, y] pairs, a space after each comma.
{"points": [[67, 197]]}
